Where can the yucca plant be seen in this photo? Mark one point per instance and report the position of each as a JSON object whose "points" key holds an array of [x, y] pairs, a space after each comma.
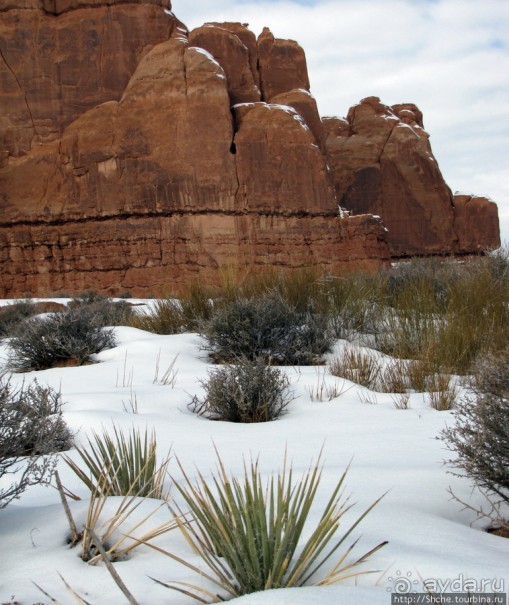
{"points": [[111, 533], [122, 465], [248, 532]]}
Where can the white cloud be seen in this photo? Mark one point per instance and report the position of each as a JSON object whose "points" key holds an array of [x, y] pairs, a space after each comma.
{"points": [[450, 57]]}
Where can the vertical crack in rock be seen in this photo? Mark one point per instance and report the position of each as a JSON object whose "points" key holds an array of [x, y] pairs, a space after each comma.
{"points": [[22, 91]]}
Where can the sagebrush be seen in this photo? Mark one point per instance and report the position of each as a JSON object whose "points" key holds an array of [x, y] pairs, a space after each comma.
{"points": [[32, 430], [59, 339], [267, 327], [248, 391], [479, 437]]}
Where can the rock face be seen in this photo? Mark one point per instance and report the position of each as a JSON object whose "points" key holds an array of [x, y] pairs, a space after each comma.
{"points": [[470, 212], [136, 155], [382, 163]]}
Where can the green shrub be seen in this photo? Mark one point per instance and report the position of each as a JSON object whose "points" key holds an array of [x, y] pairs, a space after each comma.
{"points": [[248, 391], [31, 430], [267, 327], [249, 533], [58, 339]]}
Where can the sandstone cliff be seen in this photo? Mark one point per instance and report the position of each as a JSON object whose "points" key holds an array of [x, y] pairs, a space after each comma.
{"points": [[136, 155]]}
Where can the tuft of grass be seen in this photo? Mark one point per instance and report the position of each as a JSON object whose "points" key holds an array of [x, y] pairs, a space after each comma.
{"points": [[174, 314], [166, 317], [249, 533], [443, 394], [394, 377], [122, 465], [358, 366], [324, 391]]}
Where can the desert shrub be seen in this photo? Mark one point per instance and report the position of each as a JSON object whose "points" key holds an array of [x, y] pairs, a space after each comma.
{"points": [[480, 435], [267, 327], [248, 391], [423, 283], [31, 430], [121, 465], [11, 316], [253, 535], [102, 310], [59, 338]]}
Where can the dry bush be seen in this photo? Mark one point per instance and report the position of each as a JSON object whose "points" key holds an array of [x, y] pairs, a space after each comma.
{"points": [[11, 316], [58, 339], [32, 429], [102, 310], [268, 327], [248, 391], [480, 435]]}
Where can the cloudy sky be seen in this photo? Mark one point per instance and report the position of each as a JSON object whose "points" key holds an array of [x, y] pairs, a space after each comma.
{"points": [[450, 57]]}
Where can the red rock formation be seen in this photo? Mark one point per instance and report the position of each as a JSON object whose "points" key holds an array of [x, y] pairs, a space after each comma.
{"points": [[382, 163], [282, 65], [229, 49], [164, 184], [124, 165], [476, 224], [150, 255], [53, 69]]}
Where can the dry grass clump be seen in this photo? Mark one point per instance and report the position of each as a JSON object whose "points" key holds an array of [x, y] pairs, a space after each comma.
{"points": [[443, 394], [173, 314], [359, 366]]}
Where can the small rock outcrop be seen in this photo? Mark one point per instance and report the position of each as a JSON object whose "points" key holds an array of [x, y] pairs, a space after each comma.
{"points": [[136, 155], [476, 224]]}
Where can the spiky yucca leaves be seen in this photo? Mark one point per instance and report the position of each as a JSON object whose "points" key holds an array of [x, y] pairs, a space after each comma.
{"points": [[111, 532], [122, 465], [248, 532]]}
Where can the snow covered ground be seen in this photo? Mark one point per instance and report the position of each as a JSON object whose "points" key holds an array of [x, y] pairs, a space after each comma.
{"points": [[392, 450]]}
